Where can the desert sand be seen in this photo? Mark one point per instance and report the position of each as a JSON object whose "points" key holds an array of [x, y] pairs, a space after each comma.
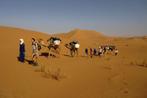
{"points": [[121, 76]]}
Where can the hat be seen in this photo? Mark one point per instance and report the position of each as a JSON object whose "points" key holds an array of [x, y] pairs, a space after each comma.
{"points": [[21, 41]]}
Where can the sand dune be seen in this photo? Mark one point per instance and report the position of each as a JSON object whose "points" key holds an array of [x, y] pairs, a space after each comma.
{"points": [[122, 76]]}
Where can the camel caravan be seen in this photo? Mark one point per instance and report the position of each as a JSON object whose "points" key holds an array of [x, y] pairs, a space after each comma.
{"points": [[54, 48]]}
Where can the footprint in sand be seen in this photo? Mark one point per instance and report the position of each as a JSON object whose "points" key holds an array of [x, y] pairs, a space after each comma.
{"points": [[117, 77], [10, 94], [5, 94], [124, 90]]}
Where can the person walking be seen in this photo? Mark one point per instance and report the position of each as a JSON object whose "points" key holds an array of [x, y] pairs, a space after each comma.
{"points": [[116, 52], [91, 52], [21, 51], [94, 52], [86, 52], [34, 50], [100, 51]]}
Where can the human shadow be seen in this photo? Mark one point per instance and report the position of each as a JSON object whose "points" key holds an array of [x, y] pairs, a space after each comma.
{"points": [[31, 62], [44, 54], [20, 60]]}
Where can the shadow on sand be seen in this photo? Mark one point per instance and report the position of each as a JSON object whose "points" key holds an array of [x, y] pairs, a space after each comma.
{"points": [[67, 55], [44, 54], [31, 62]]}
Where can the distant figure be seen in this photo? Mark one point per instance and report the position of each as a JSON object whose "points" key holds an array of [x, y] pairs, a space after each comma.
{"points": [[91, 52], [21, 51], [116, 51], [94, 52], [104, 49], [86, 52], [100, 52], [34, 50]]}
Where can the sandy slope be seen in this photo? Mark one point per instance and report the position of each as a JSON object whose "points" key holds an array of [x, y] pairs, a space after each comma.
{"points": [[111, 76]]}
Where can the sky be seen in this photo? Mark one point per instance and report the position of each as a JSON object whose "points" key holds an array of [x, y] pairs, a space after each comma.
{"points": [[111, 17]]}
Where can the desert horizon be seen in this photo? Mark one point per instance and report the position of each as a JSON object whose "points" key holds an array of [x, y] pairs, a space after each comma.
{"points": [[73, 29], [80, 76]]}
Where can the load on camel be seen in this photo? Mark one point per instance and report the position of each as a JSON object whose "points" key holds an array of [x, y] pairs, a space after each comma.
{"points": [[73, 47]]}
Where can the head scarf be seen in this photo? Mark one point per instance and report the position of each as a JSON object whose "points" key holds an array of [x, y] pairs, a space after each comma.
{"points": [[21, 41]]}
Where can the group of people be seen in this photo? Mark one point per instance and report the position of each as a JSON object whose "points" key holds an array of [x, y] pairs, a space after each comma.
{"points": [[36, 46], [54, 43], [100, 51]]}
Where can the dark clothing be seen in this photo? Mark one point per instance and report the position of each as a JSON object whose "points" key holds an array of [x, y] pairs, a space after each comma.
{"points": [[116, 53], [94, 52], [86, 51], [22, 48], [91, 52], [73, 42], [22, 52]]}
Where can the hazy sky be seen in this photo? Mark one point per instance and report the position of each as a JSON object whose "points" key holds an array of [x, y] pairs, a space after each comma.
{"points": [[112, 17]]}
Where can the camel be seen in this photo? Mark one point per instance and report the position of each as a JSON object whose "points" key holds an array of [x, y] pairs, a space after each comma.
{"points": [[73, 46], [54, 44]]}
